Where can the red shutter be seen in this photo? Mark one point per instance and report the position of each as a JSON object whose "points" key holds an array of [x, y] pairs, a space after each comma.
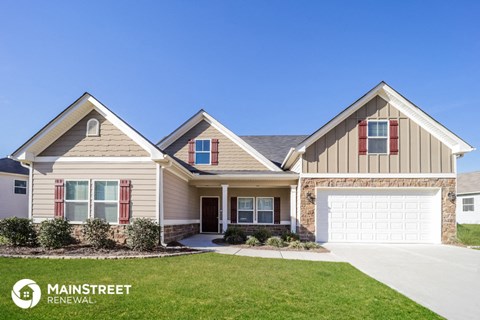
{"points": [[124, 201], [59, 208], [393, 136], [276, 210], [233, 210], [214, 152], [362, 137], [191, 152]]}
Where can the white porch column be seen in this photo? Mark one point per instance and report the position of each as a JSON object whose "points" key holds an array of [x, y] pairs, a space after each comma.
{"points": [[293, 208], [224, 207]]}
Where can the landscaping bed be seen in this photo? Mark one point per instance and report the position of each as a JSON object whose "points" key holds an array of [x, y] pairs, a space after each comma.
{"points": [[222, 242]]}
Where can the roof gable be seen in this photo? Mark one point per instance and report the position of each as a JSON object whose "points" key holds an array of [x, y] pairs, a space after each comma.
{"points": [[456, 144], [11, 166], [204, 116], [69, 118]]}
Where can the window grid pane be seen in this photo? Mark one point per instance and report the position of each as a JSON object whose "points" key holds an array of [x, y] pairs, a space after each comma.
{"points": [[245, 204], [76, 190], [376, 145], [265, 217], [106, 190], [245, 216]]}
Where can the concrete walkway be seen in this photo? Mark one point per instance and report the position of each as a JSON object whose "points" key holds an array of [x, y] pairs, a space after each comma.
{"points": [[204, 242]]}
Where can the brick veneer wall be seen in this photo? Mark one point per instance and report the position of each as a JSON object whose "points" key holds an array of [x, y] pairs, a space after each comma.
{"points": [[275, 229], [306, 228], [178, 232]]}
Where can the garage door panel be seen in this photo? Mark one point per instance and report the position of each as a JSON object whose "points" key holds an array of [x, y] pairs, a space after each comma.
{"points": [[381, 215]]}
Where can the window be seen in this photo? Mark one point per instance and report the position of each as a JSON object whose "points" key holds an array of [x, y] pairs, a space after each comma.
{"points": [[468, 204], [93, 128], [245, 210], [20, 187], [105, 200], [76, 200], [265, 210], [377, 137], [202, 151]]}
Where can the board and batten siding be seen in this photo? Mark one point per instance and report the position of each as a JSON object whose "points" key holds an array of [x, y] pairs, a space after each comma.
{"points": [[181, 201], [337, 151], [110, 143], [230, 155], [141, 174]]}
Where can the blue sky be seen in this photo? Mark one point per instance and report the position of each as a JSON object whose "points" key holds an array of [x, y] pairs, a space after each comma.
{"points": [[260, 67]]}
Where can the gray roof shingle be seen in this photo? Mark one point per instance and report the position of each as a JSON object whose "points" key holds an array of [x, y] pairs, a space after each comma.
{"points": [[274, 148], [12, 166], [468, 182]]}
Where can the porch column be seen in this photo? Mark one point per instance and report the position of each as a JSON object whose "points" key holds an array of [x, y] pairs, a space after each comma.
{"points": [[224, 207], [293, 208]]}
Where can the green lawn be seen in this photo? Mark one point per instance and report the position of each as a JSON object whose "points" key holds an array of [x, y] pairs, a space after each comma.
{"points": [[469, 234], [210, 286]]}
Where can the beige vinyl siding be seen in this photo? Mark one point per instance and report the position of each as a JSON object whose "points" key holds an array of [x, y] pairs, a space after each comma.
{"points": [[111, 143], [337, 151], [283, 193], [181, 201], [141, 174], [230, 155]]}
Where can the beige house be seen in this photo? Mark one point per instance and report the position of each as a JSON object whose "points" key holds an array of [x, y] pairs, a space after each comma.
{"points": [[380, 171]]}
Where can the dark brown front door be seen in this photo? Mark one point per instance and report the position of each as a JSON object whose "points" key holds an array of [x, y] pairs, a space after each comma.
{"points": [[209, 214]]}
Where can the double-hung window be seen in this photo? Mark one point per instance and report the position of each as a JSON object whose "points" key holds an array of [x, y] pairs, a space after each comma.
{"points": [[377, 137], [105, 200], [245, 210], [468, 204], [20, 187], [265, 210], [202, 151], [77, 200]]}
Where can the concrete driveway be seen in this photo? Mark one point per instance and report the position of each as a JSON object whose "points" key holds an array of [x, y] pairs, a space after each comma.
{"points": [[445, 279]]}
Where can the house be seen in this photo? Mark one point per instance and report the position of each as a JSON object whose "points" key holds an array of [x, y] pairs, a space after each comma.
{"points": [[468, 197], [382, 170], [13, 189]]}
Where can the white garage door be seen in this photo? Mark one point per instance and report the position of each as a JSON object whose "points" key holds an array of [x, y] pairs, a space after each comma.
{"points": [[378, 215]]}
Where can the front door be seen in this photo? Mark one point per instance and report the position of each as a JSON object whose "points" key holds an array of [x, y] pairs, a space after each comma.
{"points": [[209, 214]]}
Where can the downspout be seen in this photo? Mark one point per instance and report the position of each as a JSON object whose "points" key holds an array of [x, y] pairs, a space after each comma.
{"points": [[160, 204], [30, 187]]}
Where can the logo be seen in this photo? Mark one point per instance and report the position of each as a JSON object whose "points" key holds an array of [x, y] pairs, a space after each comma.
{"points": [[26, 293]]}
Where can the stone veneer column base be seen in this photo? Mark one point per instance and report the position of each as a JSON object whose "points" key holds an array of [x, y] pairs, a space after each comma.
{"points": [[178, 232], [306, 229], [275, 229]]}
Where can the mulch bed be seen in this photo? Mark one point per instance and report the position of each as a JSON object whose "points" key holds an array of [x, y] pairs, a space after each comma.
{"points": [[87, 251], [221, 242]]}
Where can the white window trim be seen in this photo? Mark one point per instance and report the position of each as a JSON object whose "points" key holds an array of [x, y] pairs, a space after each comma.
{"points": [[273, 210], [26, 187], [253, 210], [468, 204], [97, 131], [383, 137], [106, 201], [209, 153], [65, 201]]}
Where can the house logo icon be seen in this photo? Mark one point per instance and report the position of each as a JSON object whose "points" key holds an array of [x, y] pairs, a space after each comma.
{"points": [[26, 293]]}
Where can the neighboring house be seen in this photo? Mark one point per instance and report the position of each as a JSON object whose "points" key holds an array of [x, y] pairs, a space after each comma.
{"points": [[380, 171], [468, 197], [13, 189]]}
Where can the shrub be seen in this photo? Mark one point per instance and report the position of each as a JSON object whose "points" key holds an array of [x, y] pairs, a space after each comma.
{"points": [[18, 232], [252, 241], [143, 234], [262, 234], [289, 236], [234, 235], [295, 244], [55, 233], [275, 242], [96, 233], [311, 245]]}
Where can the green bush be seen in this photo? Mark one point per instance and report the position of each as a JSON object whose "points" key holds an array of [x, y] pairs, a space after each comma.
{"points": [[18, 232], [289, 236], [143, 234], [252, 241], [96, 233], [262, 234], [234, 235], [55, 233], [275, 242], [311, 245], [295, 244]]}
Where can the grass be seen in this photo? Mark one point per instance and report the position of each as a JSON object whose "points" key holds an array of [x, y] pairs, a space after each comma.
{"points": [[210, 286], [469, 234]]}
